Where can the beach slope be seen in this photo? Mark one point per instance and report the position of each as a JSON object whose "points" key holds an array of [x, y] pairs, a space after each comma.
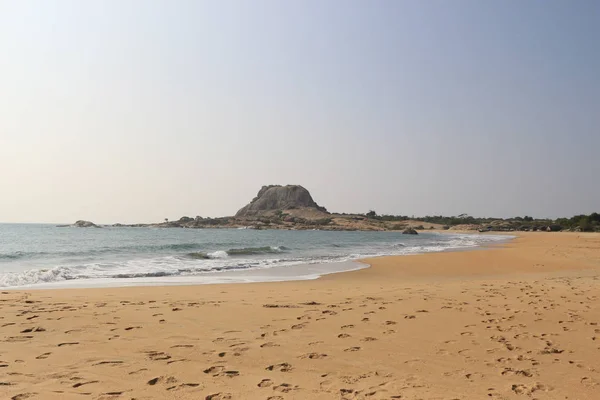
{"points": [[517, 321]]}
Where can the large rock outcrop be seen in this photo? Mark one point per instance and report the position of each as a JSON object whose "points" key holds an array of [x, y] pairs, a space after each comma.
{"points": [[85, 224], [277, 197]]}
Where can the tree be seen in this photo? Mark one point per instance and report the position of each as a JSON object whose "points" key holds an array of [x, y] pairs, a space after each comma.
{"points": [[585, 225], [166, 219], [371, 214]]}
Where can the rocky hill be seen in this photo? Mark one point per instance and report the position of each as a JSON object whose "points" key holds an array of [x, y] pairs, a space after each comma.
{"points": [[81, 224], [279, 198], [290, 207]]}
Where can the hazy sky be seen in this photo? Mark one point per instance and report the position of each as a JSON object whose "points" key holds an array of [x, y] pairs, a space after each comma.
{"points": [[133, 111]]}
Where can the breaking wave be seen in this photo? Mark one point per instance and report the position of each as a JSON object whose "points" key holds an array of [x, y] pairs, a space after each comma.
{"points": [[192, 258], [246, 251]]}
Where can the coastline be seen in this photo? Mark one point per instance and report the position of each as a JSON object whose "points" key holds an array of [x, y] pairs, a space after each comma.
{"points": [[223, 268], [517, 320]]}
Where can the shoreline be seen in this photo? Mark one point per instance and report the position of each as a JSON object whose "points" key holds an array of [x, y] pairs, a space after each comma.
{"points": [[280, 273], [520, 320]]}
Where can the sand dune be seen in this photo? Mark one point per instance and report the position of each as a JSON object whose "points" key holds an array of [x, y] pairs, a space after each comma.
{"points": [[521, 321]]}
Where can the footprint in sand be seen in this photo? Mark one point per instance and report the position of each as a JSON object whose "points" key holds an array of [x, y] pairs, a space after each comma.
{"points": [[529, 390], [368, 339], [23, 396], [79, 384], [219, 370], [343, 336], [522, 372], [269, 344], [67, 344], [314, 356], [589, 382], [356, 348], [282, 367], [112, 394], [284, 388], [311, 303], [178, 360], [183, 385], [265, 383], [108, 363], [35, 329], [214, 369], [219, 396], [12, 339], [158, 379], [158, 355], [138, 371]]}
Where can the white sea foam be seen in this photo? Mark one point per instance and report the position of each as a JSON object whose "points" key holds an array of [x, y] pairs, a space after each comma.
{"points": [[218, 254]]}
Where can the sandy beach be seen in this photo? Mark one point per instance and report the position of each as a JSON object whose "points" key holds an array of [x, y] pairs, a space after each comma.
{"points": [[516, 321]]}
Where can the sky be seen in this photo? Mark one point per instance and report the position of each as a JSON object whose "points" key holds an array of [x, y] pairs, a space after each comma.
{"points": [[136, 111]]}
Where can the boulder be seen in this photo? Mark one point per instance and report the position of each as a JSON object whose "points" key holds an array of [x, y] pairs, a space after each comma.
{"points": [[277, 197], [410, 231], [85, 224]]}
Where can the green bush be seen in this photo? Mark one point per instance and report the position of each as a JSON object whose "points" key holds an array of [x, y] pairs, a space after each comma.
{"points": [[371, 214]]}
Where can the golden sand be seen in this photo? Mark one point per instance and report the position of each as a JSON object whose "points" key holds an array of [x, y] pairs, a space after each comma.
{"points": [[519, 321]]}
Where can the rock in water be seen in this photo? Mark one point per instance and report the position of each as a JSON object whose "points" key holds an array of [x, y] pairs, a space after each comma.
{"points": [[277, 197], [85, 224], [410, 231]]}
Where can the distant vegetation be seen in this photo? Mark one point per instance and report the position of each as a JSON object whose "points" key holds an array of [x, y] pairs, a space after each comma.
{"points": [[580, 223], [585, 223], [279, 219]]}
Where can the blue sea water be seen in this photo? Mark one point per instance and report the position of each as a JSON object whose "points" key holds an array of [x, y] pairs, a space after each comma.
{"points": [[44, 256]]}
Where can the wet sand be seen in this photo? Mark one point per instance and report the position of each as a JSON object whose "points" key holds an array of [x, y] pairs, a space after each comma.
{"points": [[517, 321]]}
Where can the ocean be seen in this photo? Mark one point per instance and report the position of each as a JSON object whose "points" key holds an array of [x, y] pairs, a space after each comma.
{"points": [[46, 256]]}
